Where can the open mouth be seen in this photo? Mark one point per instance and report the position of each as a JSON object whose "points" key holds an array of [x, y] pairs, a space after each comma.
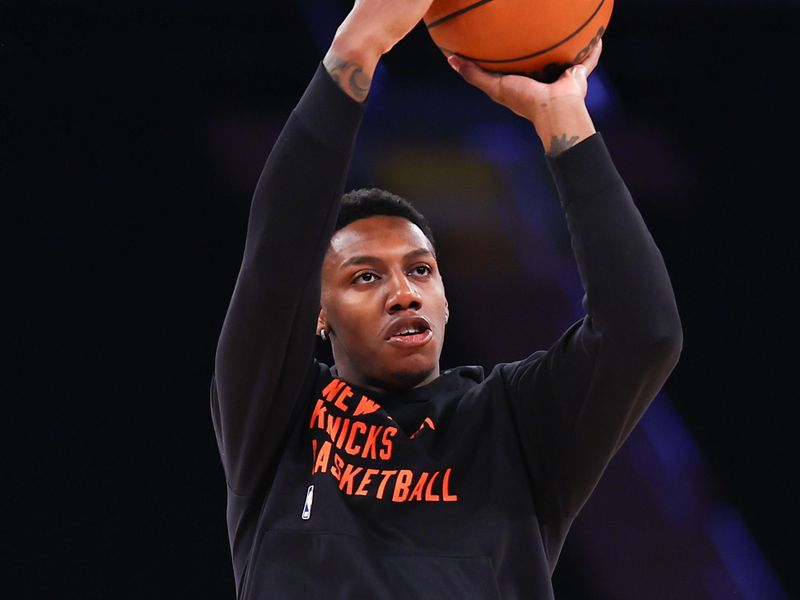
{"points": [[410, 332]]}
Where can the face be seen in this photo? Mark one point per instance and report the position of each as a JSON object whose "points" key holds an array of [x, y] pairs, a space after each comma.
{"points": [[383, 304]]}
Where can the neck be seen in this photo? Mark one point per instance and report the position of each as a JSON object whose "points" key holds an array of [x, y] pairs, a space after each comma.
{"points": [[394, 382]]}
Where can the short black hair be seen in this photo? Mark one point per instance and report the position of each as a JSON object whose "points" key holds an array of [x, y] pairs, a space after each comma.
{"points": [[370, 202]]}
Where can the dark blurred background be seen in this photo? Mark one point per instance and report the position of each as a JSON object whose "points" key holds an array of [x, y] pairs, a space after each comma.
{"points": [[133, 134]]}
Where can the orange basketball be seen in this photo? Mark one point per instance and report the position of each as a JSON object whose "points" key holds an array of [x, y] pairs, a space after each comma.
{"points": [[540, 38]]}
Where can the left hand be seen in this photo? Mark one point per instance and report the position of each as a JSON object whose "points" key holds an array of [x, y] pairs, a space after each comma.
{"points": [[557, 110], [526, 96]]}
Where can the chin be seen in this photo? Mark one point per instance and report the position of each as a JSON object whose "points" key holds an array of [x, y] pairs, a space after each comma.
{"points": [[410, 378]]}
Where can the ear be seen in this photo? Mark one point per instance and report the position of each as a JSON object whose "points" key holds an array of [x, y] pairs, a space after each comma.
{"points": [[322, 321], [446, 312]]}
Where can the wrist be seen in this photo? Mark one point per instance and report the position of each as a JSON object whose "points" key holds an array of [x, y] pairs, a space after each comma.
{"points": [[561, 125], [354, 44], [351, 62]]}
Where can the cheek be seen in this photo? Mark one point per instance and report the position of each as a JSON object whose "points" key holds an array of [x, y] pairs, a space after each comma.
{"points": [[439, 301], [350, 314]]}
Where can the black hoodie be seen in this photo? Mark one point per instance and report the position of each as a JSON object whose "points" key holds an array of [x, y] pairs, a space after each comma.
{"points": [[465, 487]]}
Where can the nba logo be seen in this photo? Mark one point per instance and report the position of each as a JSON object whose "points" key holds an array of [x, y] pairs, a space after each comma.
{"points": [[307, 506]]}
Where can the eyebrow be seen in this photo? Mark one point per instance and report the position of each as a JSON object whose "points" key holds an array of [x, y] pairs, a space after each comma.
{"points": [[371, 260]]}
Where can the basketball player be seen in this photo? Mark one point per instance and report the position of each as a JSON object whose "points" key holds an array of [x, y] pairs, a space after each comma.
{"points": [[382, 476]]}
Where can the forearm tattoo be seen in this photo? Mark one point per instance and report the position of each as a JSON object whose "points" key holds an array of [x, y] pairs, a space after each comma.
{"points": [[559, 143], [350, 76]]}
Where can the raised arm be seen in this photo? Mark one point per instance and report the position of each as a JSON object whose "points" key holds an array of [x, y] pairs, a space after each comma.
{"points": [[576, 403], [265, 349], [265, 352]]}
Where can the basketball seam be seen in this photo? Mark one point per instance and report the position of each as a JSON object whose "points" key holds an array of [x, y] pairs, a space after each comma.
{"points": [[457, 13], [537, 53]]}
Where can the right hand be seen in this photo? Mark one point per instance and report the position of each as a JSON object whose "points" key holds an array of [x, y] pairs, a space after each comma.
{"points": [[369, 31], [377, 25]]}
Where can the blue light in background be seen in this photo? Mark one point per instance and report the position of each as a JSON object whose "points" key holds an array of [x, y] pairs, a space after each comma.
{"points": [[740, 555], [599, 97]]}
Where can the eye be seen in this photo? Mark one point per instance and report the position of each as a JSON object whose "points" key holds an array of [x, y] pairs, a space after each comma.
{"points": [[365, 277], [421, 270]]}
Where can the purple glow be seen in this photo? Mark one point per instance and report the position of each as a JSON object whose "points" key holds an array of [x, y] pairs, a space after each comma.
{"points": [[675, 447], [598, 98], [740, 555]]}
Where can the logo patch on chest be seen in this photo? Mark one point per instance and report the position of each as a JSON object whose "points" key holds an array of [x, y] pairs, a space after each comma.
{"points": [[358, 452]]}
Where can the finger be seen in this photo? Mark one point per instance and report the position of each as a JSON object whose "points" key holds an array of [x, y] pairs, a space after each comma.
{"points": [[581, 71], [489, 83], [590, 62]]}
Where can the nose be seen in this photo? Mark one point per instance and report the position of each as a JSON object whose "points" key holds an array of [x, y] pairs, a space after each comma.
{"points": [[403, 296]]}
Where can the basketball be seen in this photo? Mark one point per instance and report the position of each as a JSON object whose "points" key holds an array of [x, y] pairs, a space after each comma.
{"points": [[538, 38]]}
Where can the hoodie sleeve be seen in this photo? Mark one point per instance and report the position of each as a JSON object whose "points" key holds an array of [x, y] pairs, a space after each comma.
{"points": [[265, 353], [575, 404]]}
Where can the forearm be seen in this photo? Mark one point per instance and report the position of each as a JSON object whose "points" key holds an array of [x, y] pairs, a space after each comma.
{"points": [[577, 403], [267, 341], [628, 291]]}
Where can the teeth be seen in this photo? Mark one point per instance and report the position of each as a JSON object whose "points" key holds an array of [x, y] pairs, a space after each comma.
{"points": [[408, 331]]}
